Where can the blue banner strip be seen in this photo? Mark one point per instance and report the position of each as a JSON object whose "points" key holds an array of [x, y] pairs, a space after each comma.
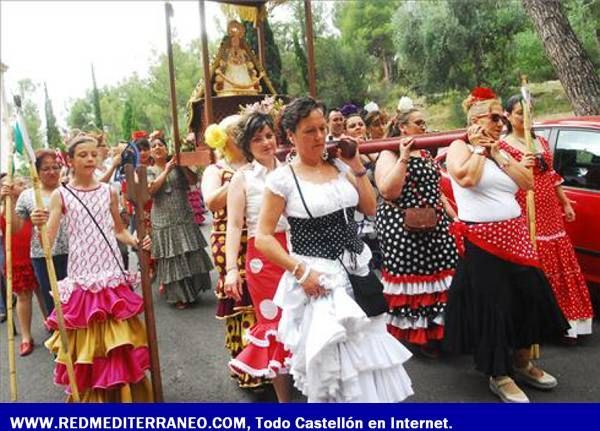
{"points": [[259, 417]]}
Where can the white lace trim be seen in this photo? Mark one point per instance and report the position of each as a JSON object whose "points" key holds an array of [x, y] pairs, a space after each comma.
{"points": [[265, 341], [274, 368], [95, 283], [418, 323], [418, 288]]}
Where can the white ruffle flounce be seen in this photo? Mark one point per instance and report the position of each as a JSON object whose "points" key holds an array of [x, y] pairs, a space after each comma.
{"points": [[338, 353]]}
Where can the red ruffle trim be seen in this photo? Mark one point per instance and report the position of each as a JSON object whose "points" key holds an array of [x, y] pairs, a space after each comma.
{"points": [[84, 306], [416, 301], [417, 336], [391, 278], [124, 365], [264, 356]]}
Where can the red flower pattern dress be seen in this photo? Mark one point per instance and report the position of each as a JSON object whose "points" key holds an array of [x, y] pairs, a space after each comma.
{"points": [[554, 246]]}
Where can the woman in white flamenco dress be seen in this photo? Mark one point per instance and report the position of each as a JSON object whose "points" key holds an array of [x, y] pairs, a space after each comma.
{"points": [[338, 353]]}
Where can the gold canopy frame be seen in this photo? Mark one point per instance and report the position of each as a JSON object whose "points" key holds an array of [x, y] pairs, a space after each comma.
{"points": [[205, 108]]}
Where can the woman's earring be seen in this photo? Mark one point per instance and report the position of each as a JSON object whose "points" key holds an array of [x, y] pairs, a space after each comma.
{"points": [[325, 154], [291, 155]]}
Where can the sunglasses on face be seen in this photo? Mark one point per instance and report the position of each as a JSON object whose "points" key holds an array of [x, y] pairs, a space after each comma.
{"points": [[496, 118], [420, 123]]}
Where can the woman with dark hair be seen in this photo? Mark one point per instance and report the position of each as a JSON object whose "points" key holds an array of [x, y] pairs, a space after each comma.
{"points": [[338, 353], [182, 265], [417, 265], [554, 247], [500, 302], [375, 124], [264, 356], [238, 315], [48, 166]]}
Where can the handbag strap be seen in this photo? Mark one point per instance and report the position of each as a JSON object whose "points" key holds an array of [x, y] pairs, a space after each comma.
{"points": [[308, 211], [98, 226], [300, 192]]}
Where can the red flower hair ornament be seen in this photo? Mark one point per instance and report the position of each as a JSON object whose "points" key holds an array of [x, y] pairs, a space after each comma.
{"points": [[482, 93], [139, 134]]}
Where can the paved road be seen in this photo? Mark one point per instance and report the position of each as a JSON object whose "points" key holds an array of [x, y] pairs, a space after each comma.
{"points": [[193, 366]]}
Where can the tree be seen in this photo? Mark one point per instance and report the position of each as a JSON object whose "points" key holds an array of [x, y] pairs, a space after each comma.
{"points": [[96, 100], [31, 115], [566, 53], [53, 138], [81, 114], [273, 58], [370, 22], [127, 122], [457, 44]]}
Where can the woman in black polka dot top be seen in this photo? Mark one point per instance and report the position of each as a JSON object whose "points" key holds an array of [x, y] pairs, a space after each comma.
{"points": [[417, 266], [338, 353]]}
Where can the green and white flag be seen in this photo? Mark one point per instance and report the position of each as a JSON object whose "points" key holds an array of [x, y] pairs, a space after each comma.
{"points": [[21, 139]]}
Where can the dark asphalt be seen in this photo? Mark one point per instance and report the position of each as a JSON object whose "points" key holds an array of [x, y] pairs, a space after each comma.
{"points": [[193, 363]]}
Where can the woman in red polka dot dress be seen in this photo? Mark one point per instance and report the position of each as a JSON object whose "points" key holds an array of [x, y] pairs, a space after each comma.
{"points": [[554, 247]]}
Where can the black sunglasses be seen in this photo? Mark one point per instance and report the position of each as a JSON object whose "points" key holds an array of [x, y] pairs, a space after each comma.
{"points": [[541, 163]]}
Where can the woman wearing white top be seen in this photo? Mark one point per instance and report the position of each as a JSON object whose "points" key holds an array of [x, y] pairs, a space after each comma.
{"points": [[264, 356], [499, 302], [338, 353]]}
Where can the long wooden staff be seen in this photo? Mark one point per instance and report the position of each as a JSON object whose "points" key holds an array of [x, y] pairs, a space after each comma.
{"points": [[39, 203], [526, 104], [530, 197], [12, 369], [137, 192]]}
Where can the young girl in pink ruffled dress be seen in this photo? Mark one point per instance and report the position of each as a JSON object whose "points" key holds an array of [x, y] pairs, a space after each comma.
{"points": [[107, 340]]}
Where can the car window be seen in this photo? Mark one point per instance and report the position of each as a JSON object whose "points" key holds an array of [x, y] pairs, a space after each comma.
{"points": [[577, 158], [543, 132]]}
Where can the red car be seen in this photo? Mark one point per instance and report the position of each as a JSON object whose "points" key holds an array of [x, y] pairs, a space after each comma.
{"points": [[575, 143]]}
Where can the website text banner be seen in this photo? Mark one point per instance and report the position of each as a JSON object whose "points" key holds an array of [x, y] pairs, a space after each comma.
{"points": [[275, 417]]}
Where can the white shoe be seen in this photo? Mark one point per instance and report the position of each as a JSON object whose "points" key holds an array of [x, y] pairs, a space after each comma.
{"points": [[544, 382], [499, 387]]}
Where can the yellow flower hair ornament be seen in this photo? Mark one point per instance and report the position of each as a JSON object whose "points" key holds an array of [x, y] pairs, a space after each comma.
{"points": [[215, 137]]}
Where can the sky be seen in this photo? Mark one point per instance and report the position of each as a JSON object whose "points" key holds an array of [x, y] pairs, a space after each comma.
{"points": [[57, 41]]}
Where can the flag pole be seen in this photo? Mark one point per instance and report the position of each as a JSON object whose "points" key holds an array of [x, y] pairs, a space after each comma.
{"points": [[10, 327], [47, 247]]}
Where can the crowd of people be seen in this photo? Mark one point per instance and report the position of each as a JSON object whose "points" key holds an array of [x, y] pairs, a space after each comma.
{"points": [[332, 265]]}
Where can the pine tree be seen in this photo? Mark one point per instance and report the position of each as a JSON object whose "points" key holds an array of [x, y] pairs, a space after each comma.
{"points": [[127, 121], [96, 99], [53, 138]]}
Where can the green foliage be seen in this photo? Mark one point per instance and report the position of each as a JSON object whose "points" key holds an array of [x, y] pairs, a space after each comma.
{"points": [[341, 76], [81, 115], [455, 44], [128, 122], [273, 58], [53, 136], [369, 23], [31, 114]]}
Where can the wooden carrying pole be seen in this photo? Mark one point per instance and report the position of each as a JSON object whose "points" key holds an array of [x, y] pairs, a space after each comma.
{"points": [[47, 247], [168, 15], [205, 66], [137, 192], [10, 327], [426, 141], [310, 51]]}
